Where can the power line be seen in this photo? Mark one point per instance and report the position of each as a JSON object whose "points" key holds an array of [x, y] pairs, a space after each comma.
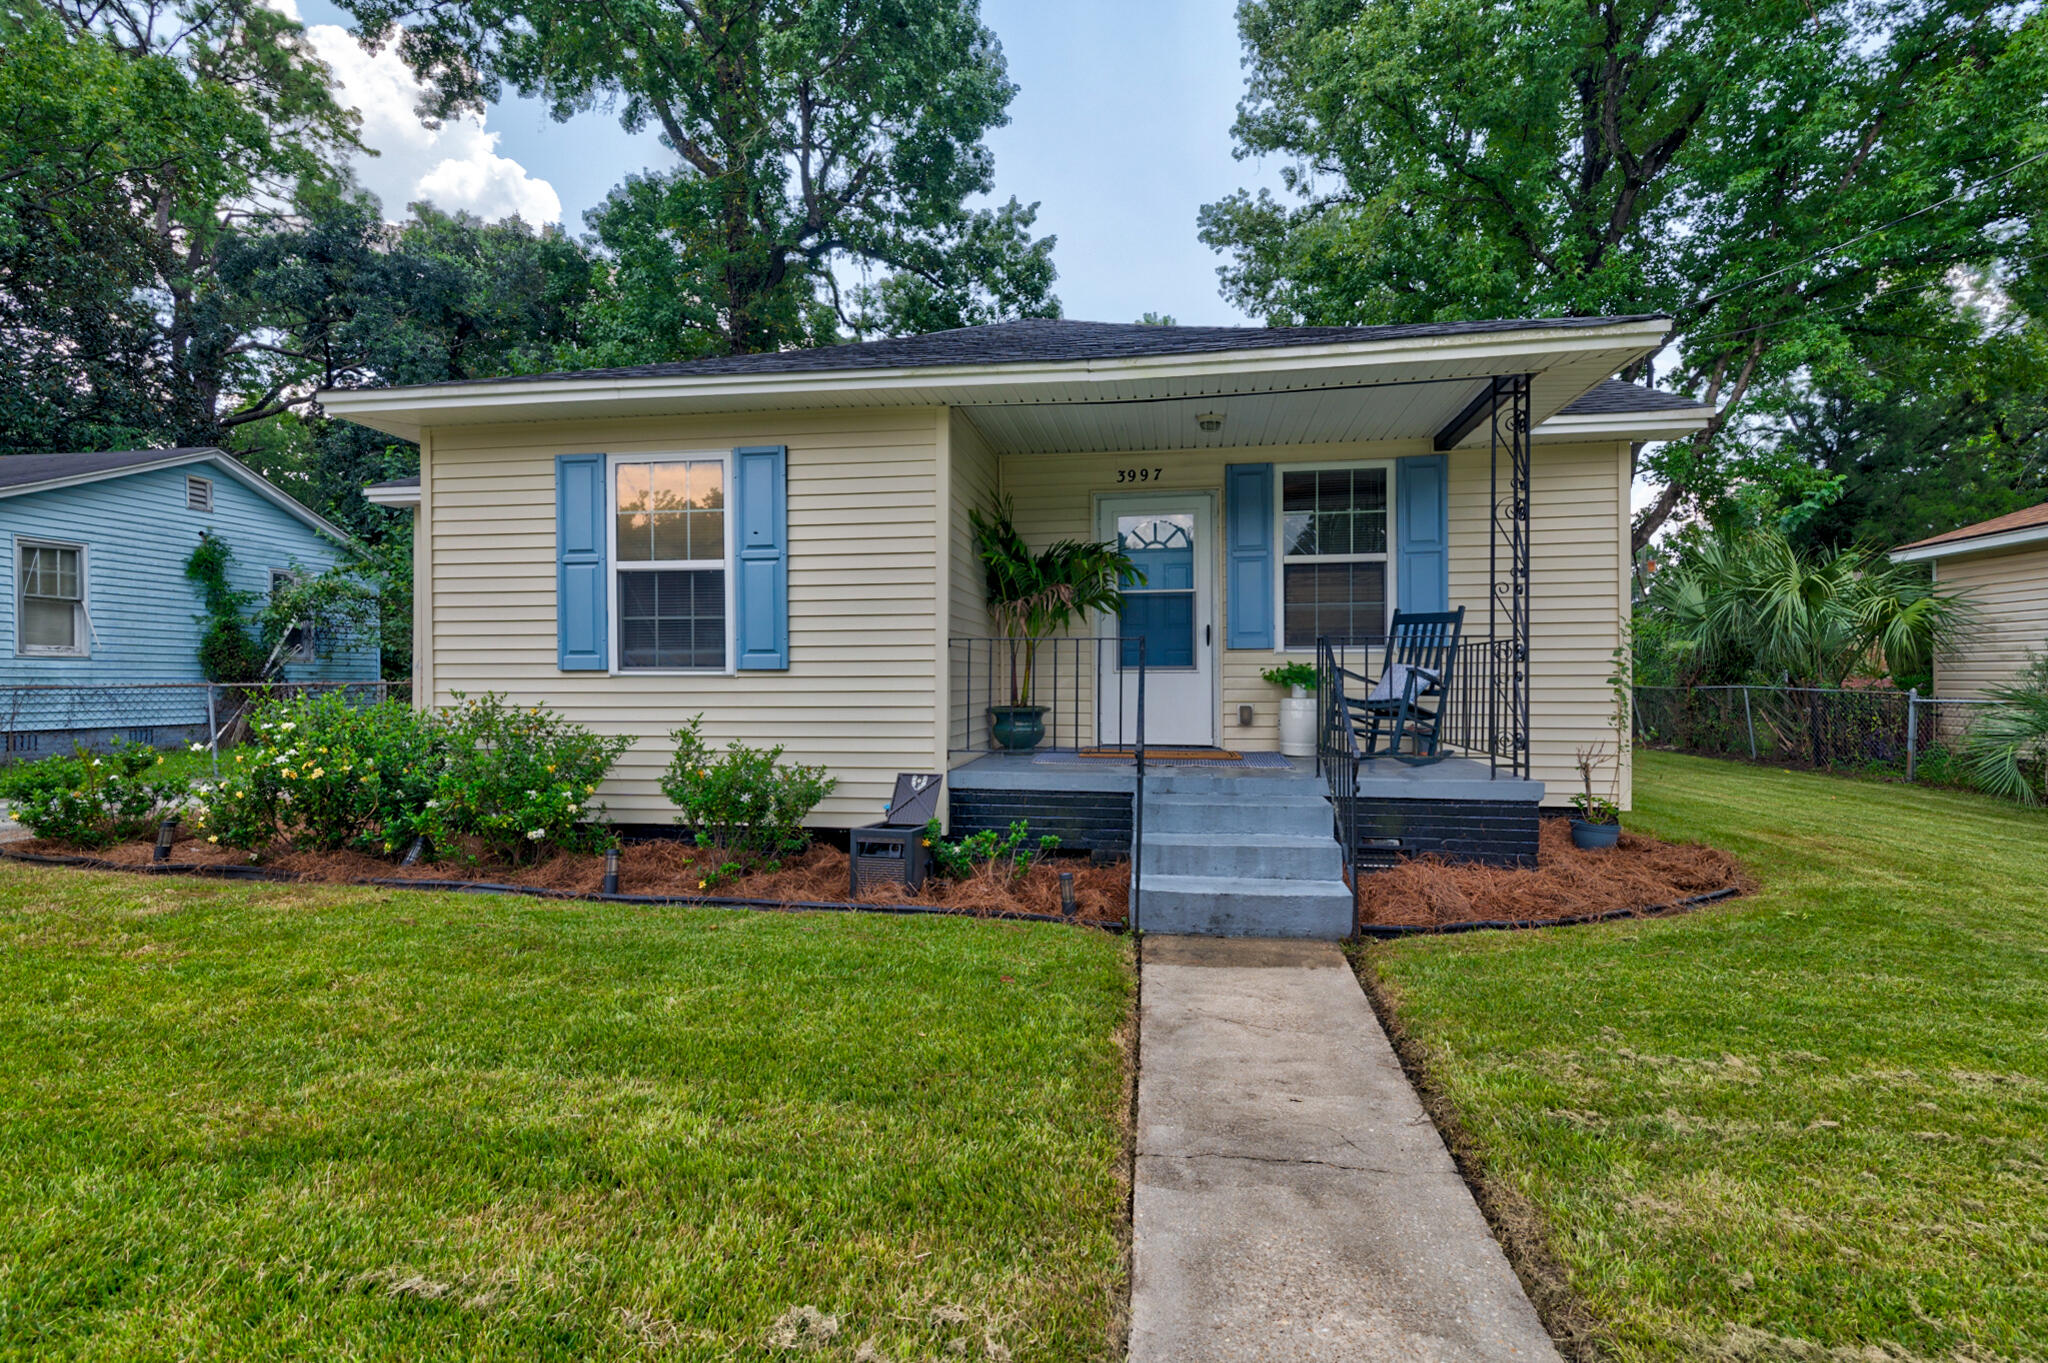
{"points": [[1865, 236]]}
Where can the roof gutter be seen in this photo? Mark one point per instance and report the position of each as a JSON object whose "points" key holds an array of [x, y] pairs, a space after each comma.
{"points": [[1662, 424], [1976, 544]]}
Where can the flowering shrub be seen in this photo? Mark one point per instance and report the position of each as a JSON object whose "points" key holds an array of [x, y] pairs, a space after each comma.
{"points": [[1014, 850], [94, 799], [743, 801], [519, 781], [323, 774]]}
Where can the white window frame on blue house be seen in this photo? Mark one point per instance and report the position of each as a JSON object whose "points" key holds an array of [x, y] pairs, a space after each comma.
{"points": [[81, 615], [1281, 558], [614, 627]]}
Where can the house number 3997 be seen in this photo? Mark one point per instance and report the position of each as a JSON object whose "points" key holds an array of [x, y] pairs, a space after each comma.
{"points": [[1138, 475]]}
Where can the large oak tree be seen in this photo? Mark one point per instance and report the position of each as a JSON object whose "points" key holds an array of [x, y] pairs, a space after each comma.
{"points": [[825, 155], [1781, 176]]}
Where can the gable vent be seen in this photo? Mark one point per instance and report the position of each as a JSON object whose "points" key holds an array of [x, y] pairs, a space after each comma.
{"points": [[198, 494]]}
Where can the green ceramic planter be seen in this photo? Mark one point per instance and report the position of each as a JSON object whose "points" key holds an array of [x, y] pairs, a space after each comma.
{"points": [[1018, 728]]}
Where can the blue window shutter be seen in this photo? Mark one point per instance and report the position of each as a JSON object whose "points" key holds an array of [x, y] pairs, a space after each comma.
{"points": [[761, 588], [1422, 532], [581, 612], [1248, 533]]}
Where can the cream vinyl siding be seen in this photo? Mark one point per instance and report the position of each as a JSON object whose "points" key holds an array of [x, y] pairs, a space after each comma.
{"points": [[973, 486], [2009, 593], [1578, 587], [861, 696], [1579, 558]]}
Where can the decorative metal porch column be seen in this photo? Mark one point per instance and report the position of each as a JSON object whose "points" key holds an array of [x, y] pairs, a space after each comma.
{"points": [[1507, 594]]}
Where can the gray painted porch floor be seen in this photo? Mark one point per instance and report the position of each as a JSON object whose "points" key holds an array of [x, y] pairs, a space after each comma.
{"points": [[1454, 778]]}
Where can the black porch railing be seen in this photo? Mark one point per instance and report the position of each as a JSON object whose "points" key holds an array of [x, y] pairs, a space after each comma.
{"points": [[1092, 690], [1076, 679]]}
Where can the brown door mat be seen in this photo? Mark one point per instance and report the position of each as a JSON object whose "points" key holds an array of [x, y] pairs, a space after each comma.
{"points": [[1168, 754]]}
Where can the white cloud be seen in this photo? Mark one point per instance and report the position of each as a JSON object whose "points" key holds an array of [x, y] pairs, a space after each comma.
{"points": [[455, 167]]}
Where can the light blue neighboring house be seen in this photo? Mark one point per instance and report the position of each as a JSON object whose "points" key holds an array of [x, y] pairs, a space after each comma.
{"points": [[98, 599]]}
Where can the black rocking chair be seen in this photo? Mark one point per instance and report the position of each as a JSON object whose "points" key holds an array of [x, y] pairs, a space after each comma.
{"points": [[1406, 704]]}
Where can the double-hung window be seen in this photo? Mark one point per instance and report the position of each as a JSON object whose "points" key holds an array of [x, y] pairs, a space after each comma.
{"points": [[49, 601], [1334, 541], [669, 543]]}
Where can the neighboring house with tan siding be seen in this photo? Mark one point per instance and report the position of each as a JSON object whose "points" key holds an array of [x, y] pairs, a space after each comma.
{"points": [[781, 543], [2001, 567]]}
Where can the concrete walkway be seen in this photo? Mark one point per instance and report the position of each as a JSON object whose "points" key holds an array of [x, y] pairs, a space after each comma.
{"points": [[1293, 1201]]}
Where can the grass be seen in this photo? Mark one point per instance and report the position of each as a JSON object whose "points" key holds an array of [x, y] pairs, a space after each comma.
{"points": [[262, 1122], [1811, 1124]]}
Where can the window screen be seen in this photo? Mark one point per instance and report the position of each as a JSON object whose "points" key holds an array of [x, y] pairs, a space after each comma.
{"points": [[1334, 539], [52, 599], [670, 541]]}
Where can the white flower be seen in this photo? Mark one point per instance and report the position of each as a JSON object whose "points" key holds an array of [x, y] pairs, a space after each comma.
{"points": [[198, 747], [95, 761], [536, 834], [288, 726], [433, 804]]}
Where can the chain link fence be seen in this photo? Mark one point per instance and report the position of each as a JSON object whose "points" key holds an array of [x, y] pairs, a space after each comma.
{"points": [[44, 719], [1882, 732]]}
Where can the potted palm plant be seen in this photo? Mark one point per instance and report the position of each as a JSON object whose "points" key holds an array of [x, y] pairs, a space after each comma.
{"points": [[1033, 596]]}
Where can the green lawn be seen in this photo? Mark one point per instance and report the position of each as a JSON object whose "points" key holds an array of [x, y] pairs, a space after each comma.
{"points": [[1811, 1124], [263, 1121]]}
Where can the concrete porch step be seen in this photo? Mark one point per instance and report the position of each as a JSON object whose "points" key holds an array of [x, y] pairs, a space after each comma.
{"points": [[1257, 856], [1265, 812], [1235, 906]]}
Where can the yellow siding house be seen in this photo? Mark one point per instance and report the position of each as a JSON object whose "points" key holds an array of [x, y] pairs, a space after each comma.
{"points": [[779, 542]]}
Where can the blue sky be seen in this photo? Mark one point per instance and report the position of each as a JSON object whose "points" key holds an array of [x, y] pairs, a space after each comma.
{"points": [[1120, 129]]}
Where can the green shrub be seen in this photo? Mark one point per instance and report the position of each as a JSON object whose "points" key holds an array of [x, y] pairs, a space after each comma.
{"points": [[519, 781], [959, 860], [2007, 750], [1292, 674], [94, 799], [745, 801], [323, 775]]}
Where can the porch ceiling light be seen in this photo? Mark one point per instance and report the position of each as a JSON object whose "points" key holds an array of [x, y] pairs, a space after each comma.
{"points": [[1210, 422]]}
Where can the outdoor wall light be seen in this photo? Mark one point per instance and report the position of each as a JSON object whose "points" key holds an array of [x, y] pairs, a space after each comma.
{"points": [[1210, 422]]}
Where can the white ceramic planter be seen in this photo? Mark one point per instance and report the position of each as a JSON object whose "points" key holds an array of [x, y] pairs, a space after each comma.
{"points": [[1298, 724]]}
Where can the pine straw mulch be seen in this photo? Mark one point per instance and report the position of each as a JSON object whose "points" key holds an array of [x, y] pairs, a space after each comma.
{"points": [[1642, 873], [669, 869]]}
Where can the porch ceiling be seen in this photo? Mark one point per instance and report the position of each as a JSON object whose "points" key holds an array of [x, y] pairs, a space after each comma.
{"points": [[1411, 402]]}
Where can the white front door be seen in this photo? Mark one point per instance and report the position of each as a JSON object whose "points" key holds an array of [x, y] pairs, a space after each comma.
{"points": [[1173, 611]]}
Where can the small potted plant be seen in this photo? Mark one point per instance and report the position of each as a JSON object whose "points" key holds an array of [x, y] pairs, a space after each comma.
{"points": [[1597, 825], [1033, 596], [1297, 709]]}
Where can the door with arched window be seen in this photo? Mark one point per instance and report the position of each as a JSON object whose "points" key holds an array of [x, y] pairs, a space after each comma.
{"points": [[1168, 536]]}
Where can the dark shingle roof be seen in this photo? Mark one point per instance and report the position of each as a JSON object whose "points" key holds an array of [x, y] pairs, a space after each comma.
{"points": [[395, 484], [1052, 340], [1613, 397], [21, 470]]}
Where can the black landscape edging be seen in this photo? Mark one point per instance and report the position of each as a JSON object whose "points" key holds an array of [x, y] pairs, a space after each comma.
{"points": [[540, 892], [1390, 930]]}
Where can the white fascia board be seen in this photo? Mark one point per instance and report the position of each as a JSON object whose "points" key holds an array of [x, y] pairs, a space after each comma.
{"points": [[1978, 544], [392, 496], [404, 411], [1669, 424], [219, 459]]}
